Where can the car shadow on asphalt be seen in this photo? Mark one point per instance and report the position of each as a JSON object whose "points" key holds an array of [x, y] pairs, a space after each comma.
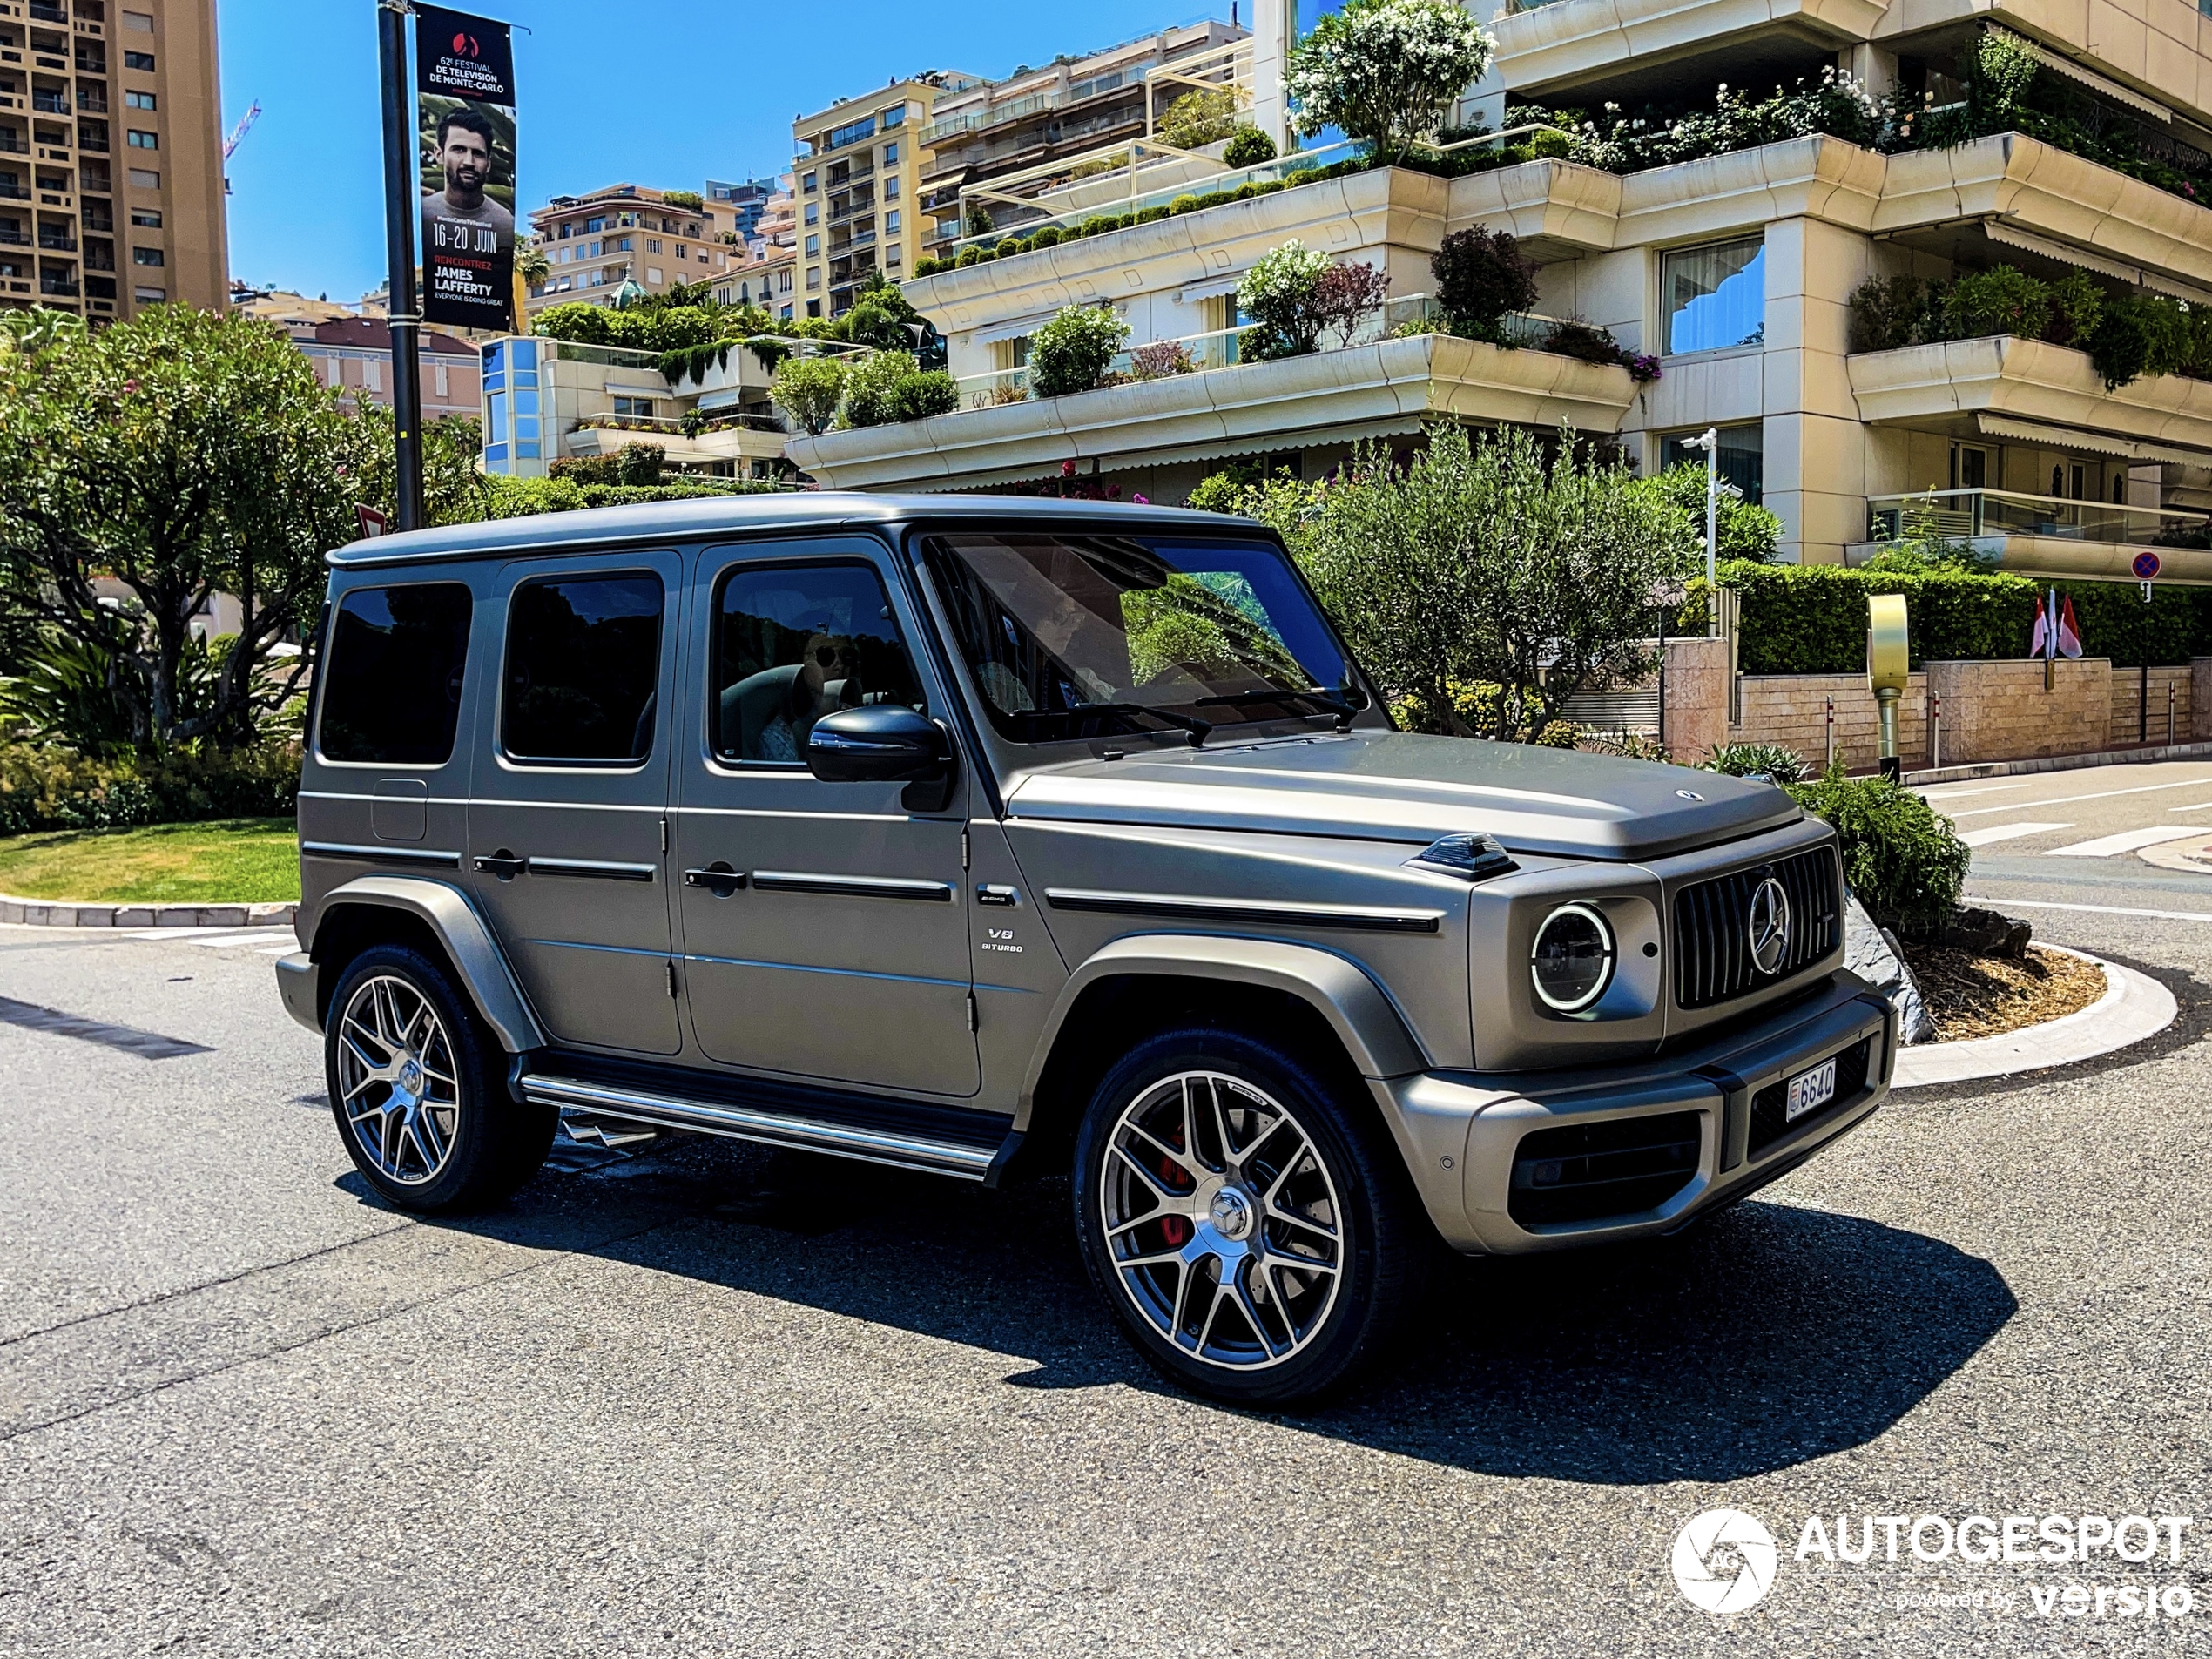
{"points": [[1768, 1335]]}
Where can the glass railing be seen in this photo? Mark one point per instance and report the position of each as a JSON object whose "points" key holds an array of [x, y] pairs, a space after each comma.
{"points": [[1964, 512]]}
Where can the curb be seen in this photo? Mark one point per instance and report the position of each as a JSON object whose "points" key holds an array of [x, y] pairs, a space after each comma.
{"points": [[2135, 1006], [56, 912], [2057, 763]]}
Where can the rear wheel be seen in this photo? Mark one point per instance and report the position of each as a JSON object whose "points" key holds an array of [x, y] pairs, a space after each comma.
{"points": [[419, 1090], [1252, 1237]]}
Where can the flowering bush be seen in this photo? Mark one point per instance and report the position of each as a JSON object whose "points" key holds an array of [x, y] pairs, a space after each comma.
{"points": [[1277, 292], [1159, 359], [1386, 70], [1070, 352]]}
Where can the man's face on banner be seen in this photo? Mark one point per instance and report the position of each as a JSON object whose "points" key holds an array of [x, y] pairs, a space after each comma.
{"points": [[466, 160]]}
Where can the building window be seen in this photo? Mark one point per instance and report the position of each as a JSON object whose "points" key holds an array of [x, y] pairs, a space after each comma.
{"points": [[891, 188], [143, 62], [1714, 297], [438, 374], [652, 245], [891, 155], [151, 296], [894, 116], [653, 273], [625, 246], [1969, 467], [144, 140], [806, 184], [148, 256], [137, 100], [891, 222], [813, 212], [138, 22], [148, 218], [372, 375], [634, 409], [142, 179], [1741, 455], [814, 278], [813, 245], [680, 252]]}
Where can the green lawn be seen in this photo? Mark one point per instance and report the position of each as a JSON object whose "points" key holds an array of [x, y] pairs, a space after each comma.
{"points": [[240, 860]]}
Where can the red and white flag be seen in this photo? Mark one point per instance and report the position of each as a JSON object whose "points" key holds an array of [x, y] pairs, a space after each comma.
{"points": [[2069, 630], [2042, 641]]}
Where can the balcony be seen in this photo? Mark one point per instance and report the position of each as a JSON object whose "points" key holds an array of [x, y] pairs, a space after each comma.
{"points": [[55, 287], [48, 11], [1388, 387], [2046, 535], [2029, 391], [851, 207], [55, 241], [50, 104], [1552, 44]]}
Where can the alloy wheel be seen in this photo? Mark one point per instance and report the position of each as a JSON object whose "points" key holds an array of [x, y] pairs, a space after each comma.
{"points": [[1222, 1221], [397, 1081]]}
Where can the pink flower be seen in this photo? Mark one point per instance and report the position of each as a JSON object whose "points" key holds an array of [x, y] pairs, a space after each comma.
{"points": [[1066, 469], [1141, 499]]}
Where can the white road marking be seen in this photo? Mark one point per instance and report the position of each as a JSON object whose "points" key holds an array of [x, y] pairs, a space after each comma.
{"points": [[1991, 833], [2106, 846], [2201, 806], [2102, 794], [1961, 794], [2096, 909], [222, 938]]}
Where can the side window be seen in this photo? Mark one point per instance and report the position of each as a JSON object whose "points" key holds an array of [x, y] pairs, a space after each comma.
{"points": [[583, 666], [793, 642], [391, 690]]}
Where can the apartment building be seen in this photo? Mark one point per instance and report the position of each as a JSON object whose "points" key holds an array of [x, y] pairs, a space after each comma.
{"points": [[860, 174], [1734, 273], [746, 200], [110, 157], [768, 276], [628, 237], [1074, 106], [353, 356]]}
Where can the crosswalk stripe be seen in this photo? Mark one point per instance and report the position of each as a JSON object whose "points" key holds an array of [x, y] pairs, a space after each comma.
{"points": [[1996, 833], [2105, 846]]}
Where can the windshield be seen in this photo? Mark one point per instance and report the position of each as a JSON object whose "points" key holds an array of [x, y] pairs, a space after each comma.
{"points": [[1081, 636]]}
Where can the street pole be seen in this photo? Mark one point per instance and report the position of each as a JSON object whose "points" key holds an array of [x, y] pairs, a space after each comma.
{"points": [[401, 212], [1712, 517]]}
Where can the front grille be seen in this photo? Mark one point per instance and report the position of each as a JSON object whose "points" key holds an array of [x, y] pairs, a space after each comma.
{"points": [[1587, 1172], [1712, 928], [1768, 1124]]}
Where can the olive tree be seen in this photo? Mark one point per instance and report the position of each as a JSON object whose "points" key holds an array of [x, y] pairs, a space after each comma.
{"points": [[151, 466], [1386, 72], [1490, 579]]}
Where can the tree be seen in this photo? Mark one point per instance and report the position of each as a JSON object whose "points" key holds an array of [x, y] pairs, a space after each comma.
{"points": [[1071, 353], [1482, 277], [810, 389], [175, 456], [1746, 531], [1485, 582], [1277, 291], [1385, 71], [530, 262]]}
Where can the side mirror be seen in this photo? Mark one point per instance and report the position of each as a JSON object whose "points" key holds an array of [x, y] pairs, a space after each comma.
{"points": [[884, 743]]}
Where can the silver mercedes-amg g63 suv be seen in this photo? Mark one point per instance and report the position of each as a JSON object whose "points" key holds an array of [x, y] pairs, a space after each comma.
{"points": [[1000, 837]]}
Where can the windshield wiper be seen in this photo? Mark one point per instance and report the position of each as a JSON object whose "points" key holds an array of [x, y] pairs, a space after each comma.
{"points": [[1199, 730], [1327, 702]]}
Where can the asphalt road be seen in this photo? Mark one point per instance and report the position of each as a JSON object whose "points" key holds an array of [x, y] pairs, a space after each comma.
{"points": [[713, 1400]]}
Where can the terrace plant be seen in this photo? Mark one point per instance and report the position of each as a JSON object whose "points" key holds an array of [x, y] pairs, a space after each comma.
{"points": [[1278, 293], [1203, 116], [809, 389], [1072, 352], [1481, 278], [1385, 71]]}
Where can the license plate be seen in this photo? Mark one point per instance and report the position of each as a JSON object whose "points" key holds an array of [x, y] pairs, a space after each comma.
{"points": [[1808, 1089]]}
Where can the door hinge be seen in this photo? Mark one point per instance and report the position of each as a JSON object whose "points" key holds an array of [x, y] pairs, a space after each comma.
{"points": [[671, 977], [972, 1024], [663, 835], [963, 849]]}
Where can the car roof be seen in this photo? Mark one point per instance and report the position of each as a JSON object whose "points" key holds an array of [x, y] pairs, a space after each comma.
{"points": [[731, 515]]}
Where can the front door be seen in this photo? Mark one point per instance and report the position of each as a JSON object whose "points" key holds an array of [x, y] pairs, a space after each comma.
{"points": [[567, 824], [824, 925]]}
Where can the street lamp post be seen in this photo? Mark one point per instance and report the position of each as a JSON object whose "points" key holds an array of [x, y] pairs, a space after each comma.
{"points": [[1709, 442], [404, 316]]}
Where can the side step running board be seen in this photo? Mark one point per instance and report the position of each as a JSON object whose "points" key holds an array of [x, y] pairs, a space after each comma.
{"points": [[966, 1160]]}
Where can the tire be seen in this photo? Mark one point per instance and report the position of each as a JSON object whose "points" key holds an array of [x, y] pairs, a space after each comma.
{"points": [[418, 1088], [1209, 1161]]}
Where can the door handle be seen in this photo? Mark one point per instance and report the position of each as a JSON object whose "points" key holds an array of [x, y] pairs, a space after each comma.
{"points": [[717, 878], [502, 864]]}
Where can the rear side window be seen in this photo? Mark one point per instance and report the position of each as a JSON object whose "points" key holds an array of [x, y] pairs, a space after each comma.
{"points": [[391, 692], [582, 667]]}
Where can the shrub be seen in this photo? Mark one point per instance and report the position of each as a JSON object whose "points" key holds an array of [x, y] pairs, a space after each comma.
{"points": [[1248, 147], [1347, 295], [1046, 236], [1161, 359], [689, 199], [929, 267], [1277, 292], [1774, 761], [917, 396], [1070, 354], [2077, 306], [1481, 277], [867, 387], [1746, 532], [2001, 300], [634, 464], [1386, 70], [1906, 865], [47, 787], [810, 389], [1887, 312], [1148, 215], [1184, 204], [1201, 116], [969, 256]]}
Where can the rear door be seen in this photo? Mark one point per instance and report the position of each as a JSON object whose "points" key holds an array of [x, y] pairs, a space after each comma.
{"points": [[567, 826], [824, 925]]}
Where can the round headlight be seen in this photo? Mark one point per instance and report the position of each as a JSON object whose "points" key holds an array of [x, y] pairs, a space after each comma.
{"points": [[1572, 962]]}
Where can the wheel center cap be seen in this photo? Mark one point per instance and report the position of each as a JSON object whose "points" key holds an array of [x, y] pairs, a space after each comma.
{"points": [[411, 1077], [1230, 1213]]}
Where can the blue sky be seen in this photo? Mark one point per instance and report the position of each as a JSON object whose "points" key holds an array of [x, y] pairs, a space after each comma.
{"points": [[662, 93]]}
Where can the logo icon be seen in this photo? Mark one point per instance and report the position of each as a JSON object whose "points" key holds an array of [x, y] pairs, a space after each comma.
{"points": [[1690, 794], [1723, 1561], [465, 46], [1770, 925]]}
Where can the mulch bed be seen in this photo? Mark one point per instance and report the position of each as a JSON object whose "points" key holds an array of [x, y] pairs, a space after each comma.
{"points": [[1983, 996]]}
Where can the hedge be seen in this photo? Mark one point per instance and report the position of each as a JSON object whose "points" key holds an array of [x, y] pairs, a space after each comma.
{"points": [[1811, 618], [50, 788]]}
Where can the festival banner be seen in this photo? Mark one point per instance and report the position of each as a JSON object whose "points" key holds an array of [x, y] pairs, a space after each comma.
{"points": [[465, 88]]}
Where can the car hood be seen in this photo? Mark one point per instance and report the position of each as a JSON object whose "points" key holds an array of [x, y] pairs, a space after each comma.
{"points": [[1397, 786]]}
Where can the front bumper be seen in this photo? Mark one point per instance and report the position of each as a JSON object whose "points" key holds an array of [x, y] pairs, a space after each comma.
{"points": [[1717, 1131], [296, 976]]}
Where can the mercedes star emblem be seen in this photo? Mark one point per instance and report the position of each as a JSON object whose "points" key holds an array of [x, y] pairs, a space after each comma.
{"points": [[1770, 925]]}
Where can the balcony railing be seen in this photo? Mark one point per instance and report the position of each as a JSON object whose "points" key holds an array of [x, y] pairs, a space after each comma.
{"points": [[47, 11], [1964, 512], [56, 288], [50, 103], [55, 244]]}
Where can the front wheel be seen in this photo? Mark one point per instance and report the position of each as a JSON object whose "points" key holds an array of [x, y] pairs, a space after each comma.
{"points": [[1249, 1228], [419, 1090]]}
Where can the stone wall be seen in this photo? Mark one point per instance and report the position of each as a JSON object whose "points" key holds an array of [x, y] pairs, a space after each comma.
{"points": [[1792, 709], [2132, 700], [1693, 717], [1999, 711]]}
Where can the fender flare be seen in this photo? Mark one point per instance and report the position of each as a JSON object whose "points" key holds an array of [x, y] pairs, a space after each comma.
{"points": [[460, 929], [1366, 1022]]}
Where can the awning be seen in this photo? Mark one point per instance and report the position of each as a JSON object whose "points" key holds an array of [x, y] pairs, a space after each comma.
{"points": [[2111, 89], [1998, 230], [2095, 443]]}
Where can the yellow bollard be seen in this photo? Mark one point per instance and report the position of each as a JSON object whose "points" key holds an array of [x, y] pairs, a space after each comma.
{"points": [[1888, 663]]}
